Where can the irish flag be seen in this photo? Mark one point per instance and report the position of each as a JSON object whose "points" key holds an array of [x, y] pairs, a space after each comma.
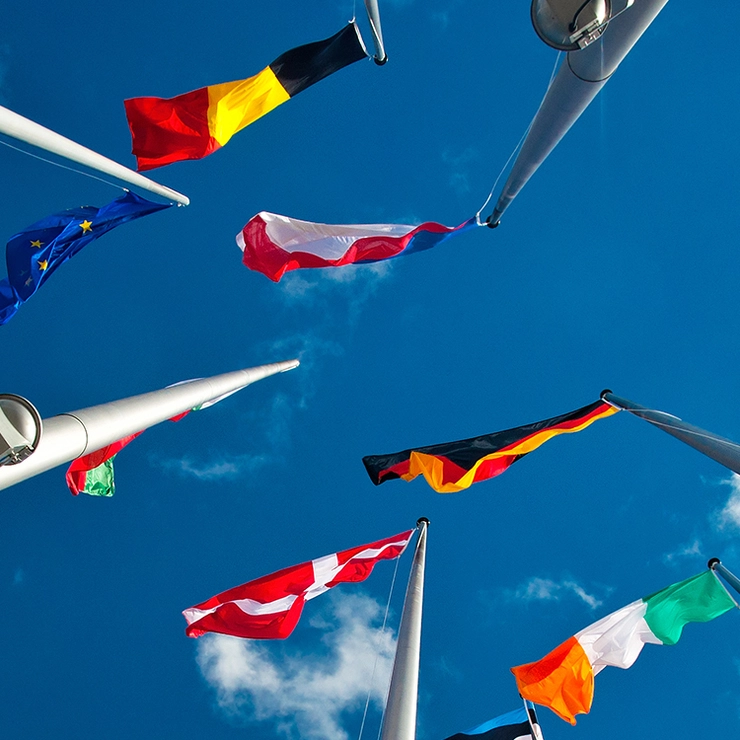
{"points": [[564, 679]]}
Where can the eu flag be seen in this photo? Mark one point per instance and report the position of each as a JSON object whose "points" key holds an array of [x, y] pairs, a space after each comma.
{"points": [[37, 251]]}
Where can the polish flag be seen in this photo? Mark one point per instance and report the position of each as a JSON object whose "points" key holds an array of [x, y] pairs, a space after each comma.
{"points": [[274, 244], [270, 607]]}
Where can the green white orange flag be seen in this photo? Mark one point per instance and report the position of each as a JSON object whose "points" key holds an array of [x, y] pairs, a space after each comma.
{"points": [[564, 679]]}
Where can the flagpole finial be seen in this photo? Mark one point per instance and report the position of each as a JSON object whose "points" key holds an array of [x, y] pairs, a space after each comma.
{"points": [[604, 392], [422, 520], [713, 563]]}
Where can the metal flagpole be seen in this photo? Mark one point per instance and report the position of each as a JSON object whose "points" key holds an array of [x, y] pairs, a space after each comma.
{"points": [[583, 73], [373, 15], [399, 720], [715, 565], [722, 450], [35, 134], [69, 436]]}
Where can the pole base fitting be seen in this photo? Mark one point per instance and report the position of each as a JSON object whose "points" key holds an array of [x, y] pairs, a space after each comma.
{"points": [[491, 223]]}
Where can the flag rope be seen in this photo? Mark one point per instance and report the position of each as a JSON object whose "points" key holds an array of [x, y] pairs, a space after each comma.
{"points": [[375, 664], [63, 166], [726, 590], [518, 146]]}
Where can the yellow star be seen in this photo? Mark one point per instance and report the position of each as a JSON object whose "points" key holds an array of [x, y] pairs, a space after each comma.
{"points": [[43, 265], [37, 243], [86, 226]]}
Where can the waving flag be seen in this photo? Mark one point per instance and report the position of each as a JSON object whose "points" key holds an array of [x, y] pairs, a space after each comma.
{"points": [[36, 252], [274, 245], [564, 679], [516, 725], [193, 125], [270, 607], [454, 466]]}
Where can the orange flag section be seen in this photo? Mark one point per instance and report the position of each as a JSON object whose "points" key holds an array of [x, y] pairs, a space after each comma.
{"points": [[563, 680]]}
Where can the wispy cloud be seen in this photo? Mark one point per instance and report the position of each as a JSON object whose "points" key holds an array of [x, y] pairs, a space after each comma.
{"points": [[18, 577], [689, 550], [729, 516], [305, 695], [545, 589], [458, 163], [223, 467]]}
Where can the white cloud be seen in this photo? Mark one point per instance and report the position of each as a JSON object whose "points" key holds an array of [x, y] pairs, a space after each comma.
{"points": [[18, 577], [223, 467], [460, 169], [729, 516], [685, 551], [305, 696], [545, 589]]}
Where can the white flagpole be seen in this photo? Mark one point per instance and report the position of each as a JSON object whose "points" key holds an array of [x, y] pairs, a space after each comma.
{"points": [[15, 125], [373, 15], [578, 81], [399, 720], [716, 567], [69, 436]]}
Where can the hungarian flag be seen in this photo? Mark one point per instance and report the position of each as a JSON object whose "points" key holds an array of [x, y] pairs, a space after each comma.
{"points": [[195, 124], [270, 607], [564, 679], [454, 466], [274, 245]]}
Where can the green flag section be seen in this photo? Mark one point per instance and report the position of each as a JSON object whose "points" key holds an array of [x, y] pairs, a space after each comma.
{"points": [[564, 679]]}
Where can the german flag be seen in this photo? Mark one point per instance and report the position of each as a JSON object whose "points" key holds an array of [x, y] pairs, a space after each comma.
{"points": [[454, 466], [195, 124]]}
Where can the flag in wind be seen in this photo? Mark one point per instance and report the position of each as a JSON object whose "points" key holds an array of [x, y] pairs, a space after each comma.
{"points": [[514, 725], [274, 245], [270, 607], [564, 679], [93, 473], [454, 466], [195, 124], [36, 252]]}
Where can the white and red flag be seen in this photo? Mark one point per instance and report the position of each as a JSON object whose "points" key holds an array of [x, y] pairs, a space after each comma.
{"points": [[270, 607], [274, 244]]}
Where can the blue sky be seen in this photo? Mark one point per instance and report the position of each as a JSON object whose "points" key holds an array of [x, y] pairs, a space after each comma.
{"points": [[616, 267]]}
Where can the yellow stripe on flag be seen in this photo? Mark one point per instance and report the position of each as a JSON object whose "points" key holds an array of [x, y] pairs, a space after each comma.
{"points": [[234, 105]]}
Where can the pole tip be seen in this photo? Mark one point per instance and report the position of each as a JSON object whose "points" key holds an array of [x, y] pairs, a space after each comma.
{"points": [[491, 223], [713, 563], [604, 392], [381, 62], [422, 520]]}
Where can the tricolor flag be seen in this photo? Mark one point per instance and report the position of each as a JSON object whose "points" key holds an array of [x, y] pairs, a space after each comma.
{"points": [[454, 466], [36, 252], [521, 724], [564, 679], [274, 245], [195, 124], [270, 607], [93, 473]]}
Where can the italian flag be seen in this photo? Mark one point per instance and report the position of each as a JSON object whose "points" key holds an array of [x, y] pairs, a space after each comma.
{"points": [[564, 679]]}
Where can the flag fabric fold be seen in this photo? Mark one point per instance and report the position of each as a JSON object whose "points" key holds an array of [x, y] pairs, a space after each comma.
{"points": [[454, 466], [521, 724], [34, 254], [274, 244], [270, 607], [197, 123], [564, 679]]}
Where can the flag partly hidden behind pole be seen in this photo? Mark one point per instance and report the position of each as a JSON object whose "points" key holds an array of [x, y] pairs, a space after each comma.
{"points": [[195, 124], [521, 724], [93, 473], [270, 607], [564, 679], [274, 244], [36, 252], [722, 450], [454, 466]]}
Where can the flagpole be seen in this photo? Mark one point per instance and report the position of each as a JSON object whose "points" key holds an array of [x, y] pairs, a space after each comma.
{"points": [[68, 436], [399, 720], [373, 15], [24, 129], [724, 451], [715, 565]]}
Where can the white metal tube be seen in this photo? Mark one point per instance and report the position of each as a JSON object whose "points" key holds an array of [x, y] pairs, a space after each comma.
{"points": [[399, 720], [19, 127], [68, 436], [578, 81], [373, 15]]}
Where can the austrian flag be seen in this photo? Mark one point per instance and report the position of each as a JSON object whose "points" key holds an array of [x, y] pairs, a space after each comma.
{"points": [[270, 607]]}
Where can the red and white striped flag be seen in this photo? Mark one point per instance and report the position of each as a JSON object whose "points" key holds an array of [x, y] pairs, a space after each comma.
{"points": [[270, 607]]}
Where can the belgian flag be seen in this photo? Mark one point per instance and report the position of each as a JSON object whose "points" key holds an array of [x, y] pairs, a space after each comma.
{"points": [[454, 466], [195, 124]]}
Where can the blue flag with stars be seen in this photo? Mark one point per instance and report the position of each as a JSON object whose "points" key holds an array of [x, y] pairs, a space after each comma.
{"points": [[37, 251]]}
